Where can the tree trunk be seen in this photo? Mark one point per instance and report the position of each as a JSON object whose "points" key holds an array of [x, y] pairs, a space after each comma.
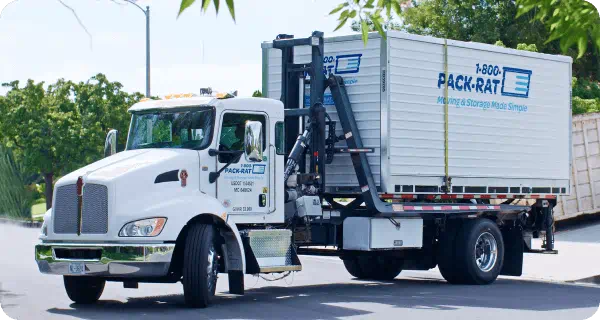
{"points": [[48, 179]]}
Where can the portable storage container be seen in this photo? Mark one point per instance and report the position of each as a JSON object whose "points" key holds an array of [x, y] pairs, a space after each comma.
{"points": [[503, 127]]}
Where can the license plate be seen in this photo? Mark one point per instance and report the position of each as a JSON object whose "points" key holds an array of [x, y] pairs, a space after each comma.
{"points": [[77, 268]]}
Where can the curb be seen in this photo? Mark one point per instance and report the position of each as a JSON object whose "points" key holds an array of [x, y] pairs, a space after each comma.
{"points": [[589, 280], [22, 223]]}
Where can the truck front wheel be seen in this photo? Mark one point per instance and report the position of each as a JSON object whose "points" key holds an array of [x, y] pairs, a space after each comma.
{"points": [[84, 290], [200, 266], [373, 267]]}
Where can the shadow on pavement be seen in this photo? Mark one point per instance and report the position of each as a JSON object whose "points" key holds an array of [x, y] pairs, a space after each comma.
{"points": [[350, 299], [5, 296]]}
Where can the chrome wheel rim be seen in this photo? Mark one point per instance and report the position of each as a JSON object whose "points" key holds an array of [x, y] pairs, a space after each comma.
{"points": [[486, 252], [212, 268]]}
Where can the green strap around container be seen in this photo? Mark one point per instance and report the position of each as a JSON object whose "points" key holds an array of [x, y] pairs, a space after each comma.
{"points": [[446, 111]]}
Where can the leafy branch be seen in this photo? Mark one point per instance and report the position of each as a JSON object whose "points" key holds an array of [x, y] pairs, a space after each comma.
{"points": [[374, 11], [574, 22]]}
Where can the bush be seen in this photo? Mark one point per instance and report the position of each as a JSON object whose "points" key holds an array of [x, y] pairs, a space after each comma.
{"points": [[585, 105], [16, 198]]}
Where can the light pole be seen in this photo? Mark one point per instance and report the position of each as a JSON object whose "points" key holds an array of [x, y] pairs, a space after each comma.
{"points": [[4, 4], [147, 14]]}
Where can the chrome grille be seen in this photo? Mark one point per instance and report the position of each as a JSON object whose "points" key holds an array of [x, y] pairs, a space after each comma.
{"points": [[65, 209], [95, 209], [94, 216]]}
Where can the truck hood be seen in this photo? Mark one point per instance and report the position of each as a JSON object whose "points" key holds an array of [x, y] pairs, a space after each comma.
{"points": [[139, 185], [146, 163]]}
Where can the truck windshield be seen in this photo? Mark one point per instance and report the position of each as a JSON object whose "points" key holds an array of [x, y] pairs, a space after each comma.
{"points": [[188, 129]]}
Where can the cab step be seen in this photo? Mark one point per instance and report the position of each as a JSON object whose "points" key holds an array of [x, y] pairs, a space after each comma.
{"points": [[270, 251]]}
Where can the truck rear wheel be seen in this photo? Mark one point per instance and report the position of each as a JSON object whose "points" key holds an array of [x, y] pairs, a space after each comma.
{"points": [[200, 266], [373, 267], [84, 290], [475, 256]]}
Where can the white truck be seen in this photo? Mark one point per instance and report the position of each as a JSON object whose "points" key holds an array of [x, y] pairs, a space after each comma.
{"points": [[417, 134]]}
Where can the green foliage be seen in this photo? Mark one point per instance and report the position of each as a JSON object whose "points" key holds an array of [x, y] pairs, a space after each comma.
{"points": [[585, 105], [586, 96], [527, 47], [586, 89], [16, 198], [387, 25], [485, 21], [62, 127], [206, 4], [499, 43], [521, 46], [363, 10], [257, 93], [573, 22]]}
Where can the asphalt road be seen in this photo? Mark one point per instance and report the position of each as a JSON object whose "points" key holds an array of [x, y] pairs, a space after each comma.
{"points": [[324, 290]]}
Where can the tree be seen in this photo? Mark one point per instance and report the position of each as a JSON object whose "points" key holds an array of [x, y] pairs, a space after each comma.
{"points": [[58, 129], [485, 21], [257, 93], [388, 25], [363, 10], [15, 199], [573, 22]]}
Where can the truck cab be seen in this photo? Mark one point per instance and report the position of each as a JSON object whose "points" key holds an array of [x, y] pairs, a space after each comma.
{"points": [[186, 160]]}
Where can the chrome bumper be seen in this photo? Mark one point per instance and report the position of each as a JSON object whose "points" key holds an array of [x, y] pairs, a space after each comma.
{"points": [[115, 260]]}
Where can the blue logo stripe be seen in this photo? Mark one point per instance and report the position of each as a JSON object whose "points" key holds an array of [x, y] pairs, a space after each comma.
{"points": [[516, 82]]}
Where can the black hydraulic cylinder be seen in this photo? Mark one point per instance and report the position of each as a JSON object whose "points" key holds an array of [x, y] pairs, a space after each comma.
{"points": [[296, 154]]}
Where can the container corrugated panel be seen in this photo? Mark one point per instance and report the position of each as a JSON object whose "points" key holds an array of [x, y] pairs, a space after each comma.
{"points": [[509, 114], [509, 117], [585, 196], [361, 68]]}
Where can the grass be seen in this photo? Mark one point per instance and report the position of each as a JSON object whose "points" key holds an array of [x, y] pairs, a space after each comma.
{"points": [[38, 209]]}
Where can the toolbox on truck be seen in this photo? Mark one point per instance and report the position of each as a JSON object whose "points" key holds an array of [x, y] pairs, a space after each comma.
{"points": [[446, 116]]}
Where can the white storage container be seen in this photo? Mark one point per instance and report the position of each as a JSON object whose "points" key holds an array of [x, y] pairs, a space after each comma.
{"points": [[508, 111]]}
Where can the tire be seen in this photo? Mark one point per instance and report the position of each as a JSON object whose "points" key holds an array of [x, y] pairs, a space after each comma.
{"points": [[200, 266], [373, 267], [84, 290], [446, 252], [478, 254]]}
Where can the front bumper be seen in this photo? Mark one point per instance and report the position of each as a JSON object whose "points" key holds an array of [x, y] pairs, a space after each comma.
{"points": [[109, 260]]}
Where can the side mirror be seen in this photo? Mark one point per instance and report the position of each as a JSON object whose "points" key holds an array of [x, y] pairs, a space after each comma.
{"points": [[253, 141], [110, 144]]}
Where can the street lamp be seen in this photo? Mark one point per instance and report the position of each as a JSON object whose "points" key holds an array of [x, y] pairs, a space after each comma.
{"points": [[4, 4], [147, 14]]}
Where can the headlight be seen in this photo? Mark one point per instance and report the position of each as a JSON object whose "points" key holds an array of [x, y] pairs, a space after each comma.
{"points": [[44, 229], [143, 228]]}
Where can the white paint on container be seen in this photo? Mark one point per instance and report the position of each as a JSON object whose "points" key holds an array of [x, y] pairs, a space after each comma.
{"points": [[509, 113]]}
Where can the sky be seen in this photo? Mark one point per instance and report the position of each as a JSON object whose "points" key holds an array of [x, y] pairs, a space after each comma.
{"points": [[42, 40]]}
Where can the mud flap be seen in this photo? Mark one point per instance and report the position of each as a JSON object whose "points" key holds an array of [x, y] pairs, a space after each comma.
{"points": [[236, 282], [513, 251]]}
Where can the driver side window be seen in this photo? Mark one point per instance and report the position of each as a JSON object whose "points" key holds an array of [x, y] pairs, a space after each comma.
{"points": [[232, 133]]}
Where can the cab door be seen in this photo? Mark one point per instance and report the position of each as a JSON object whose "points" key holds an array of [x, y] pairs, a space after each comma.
{"points": [[243, 187]]}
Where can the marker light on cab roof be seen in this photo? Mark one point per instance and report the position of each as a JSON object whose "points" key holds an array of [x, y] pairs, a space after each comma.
{"points": [[178, 95]]}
